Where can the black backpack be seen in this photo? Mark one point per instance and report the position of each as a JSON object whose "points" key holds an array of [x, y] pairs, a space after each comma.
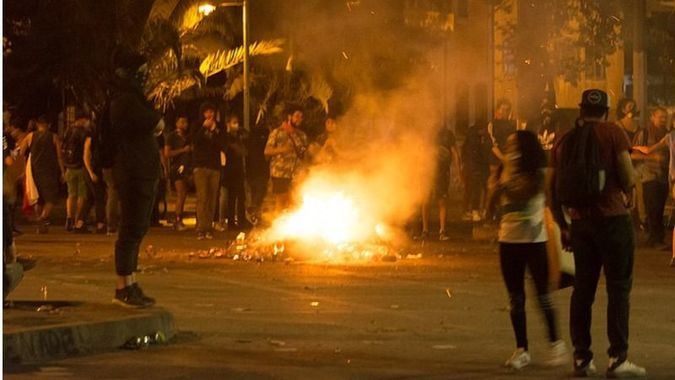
{"points": [[73, 147], [580, 174]]}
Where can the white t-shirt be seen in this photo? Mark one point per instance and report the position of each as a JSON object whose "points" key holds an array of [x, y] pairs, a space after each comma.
{"points": [[523, 223]]}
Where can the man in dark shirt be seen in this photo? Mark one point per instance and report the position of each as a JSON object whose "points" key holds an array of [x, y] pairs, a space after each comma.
{"points": [[233, 173], [178, 151], [136, 167], [601, 236], [209, 141]]}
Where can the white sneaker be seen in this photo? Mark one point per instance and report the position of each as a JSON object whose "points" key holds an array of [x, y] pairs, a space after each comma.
{"points": [[559, 355], [624, 370], [467, 216], [475, 216], [519, 359], [584, 368]]}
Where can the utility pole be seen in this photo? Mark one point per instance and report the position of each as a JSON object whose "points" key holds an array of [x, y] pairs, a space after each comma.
{"points": [[639, 63], [247, 101]]}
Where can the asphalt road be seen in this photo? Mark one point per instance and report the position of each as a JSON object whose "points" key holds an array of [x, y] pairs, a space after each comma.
{"points": [[444, 316]]}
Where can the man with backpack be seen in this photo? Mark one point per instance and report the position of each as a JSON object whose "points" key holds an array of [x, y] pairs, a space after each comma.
{"points": [[592, 184], [73, 154]]}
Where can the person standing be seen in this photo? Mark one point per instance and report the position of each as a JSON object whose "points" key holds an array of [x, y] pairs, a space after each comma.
{"points": [[519, 193], [208, 143], [476, 153], [257, 169], [136, 168], [286, 148], [654, 174], [94, 180], [446, 156], [499, 130], [233, 176], [73, 158], [594, 187], [47, 167], [178, 152]]}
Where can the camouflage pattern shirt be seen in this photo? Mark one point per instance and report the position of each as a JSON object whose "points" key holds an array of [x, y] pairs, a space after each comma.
{"points": [[284, 165]]}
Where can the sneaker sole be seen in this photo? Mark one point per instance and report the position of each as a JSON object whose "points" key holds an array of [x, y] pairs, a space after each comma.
{"points": [[115, 301]]}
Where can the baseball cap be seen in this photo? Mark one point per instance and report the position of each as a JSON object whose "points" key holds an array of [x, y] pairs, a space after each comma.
{"points": [[594, 98]]}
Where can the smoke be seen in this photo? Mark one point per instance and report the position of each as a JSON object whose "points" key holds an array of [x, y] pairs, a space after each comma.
{"points": [[387, 136]]}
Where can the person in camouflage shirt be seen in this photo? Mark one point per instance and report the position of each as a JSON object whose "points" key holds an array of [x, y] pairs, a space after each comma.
{"points": [[286, 147]]}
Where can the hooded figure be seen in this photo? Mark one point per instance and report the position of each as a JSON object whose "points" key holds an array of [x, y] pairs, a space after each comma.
{"points": [[134, 124]]}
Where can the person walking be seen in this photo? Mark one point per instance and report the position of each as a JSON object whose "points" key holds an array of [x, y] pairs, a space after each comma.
{"points": [[233, 176], [593, 183], [178, 152], [48, 169], [209, 144], [476, 153], [518, 190], [136, 168], [94, 179]]}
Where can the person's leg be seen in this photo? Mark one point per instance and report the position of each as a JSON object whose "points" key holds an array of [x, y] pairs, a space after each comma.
{"points": [[587, 262], [617, 256], [223, 205], [649, 193], [442, 213], [537, 262], [112, 207], [512, 262], [99, 204], [660, 204], [181, 195], [137, 198], [241, 203], [71, 201], [425, 217], [84, 200], [214, 187], [201, 186]]}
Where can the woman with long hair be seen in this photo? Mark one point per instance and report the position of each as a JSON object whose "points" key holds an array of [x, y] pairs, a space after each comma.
{"points": [[518, 190]]}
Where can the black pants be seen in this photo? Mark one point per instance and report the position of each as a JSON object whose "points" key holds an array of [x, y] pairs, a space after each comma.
{"points": [[137, 198], [655, 194], [610, 243], [258, 191], [96, 197], [475, 187], [236, 199], [514, 258]]}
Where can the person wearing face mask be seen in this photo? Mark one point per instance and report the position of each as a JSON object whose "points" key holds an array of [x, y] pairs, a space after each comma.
{"points": [[518, 190], [233, 176]]}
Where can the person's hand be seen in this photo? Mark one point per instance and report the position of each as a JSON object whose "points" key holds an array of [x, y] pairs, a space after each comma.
{"points": [[629, 199], [565, 238], [94, 177], [187, 149], [62, 178], [641, 149]]}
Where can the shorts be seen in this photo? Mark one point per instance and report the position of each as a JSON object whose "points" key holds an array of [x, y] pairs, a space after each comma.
{"points": [[77, 187], [441, 187], [180, 173], [281, 185]]}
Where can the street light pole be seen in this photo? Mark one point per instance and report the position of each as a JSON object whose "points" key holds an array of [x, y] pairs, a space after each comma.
{"points": [[247, 102]]}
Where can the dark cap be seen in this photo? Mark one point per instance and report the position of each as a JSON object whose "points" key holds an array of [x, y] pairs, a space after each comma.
{"points": [[594, 98]]}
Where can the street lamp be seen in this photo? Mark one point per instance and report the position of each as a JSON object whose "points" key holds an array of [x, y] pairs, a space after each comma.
{"points": [[206, 9]]}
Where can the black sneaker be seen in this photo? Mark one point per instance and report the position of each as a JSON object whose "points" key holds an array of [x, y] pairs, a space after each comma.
{"points": [[131, 298], [101, 229], [69, 224], [43, 227], [140, 292], [81, 230], [584, 368]]}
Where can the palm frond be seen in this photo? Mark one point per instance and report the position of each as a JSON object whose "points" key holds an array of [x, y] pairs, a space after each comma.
{"points": [[223, 60], [164, 93], [320, 90]]}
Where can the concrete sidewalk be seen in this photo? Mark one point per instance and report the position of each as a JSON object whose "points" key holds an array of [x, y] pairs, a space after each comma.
{"points": [[39, 331]]}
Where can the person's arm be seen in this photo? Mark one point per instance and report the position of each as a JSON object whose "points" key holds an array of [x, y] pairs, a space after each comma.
{"points": [[59, 156], [171, 153], [24, 144], [626, 172], [456, 163], [87, 160], [272, 150], [647, 150]]}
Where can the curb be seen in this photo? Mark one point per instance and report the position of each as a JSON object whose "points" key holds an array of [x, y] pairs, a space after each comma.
{"points": [[104, 332]]}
